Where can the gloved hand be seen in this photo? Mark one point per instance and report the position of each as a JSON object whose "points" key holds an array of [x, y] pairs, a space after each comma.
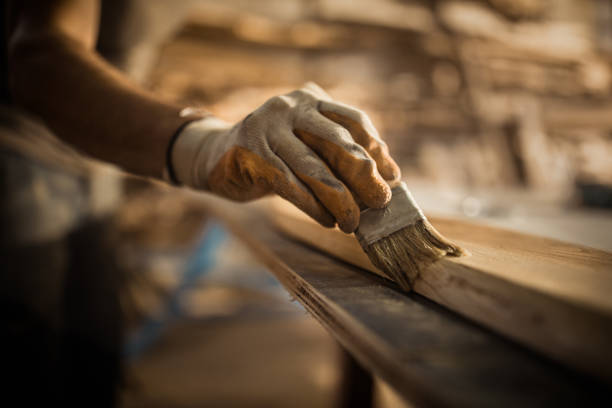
{"points": [[303, 146]]}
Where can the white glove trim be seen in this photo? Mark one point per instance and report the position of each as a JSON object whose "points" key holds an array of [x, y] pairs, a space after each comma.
{"points": [[193, 139]]}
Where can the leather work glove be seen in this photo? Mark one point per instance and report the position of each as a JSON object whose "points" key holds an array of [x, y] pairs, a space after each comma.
{"points": [[303, 146]]}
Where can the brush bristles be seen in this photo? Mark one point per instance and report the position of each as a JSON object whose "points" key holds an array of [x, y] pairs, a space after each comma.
{"points": [[405, 253]]}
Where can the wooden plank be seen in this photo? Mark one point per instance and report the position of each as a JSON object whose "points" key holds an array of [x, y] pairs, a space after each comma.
{"points": [[430, 356], [551, 296]]}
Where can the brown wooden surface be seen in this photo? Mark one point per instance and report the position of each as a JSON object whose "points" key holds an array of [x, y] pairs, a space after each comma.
{"points": [[552, 296], [429, 355]]}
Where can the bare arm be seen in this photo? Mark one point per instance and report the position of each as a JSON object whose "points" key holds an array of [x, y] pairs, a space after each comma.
{"points": [[56, 74], [304, 146]]}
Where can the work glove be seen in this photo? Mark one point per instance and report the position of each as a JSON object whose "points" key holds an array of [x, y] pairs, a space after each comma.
{"points": [[323, 156]]}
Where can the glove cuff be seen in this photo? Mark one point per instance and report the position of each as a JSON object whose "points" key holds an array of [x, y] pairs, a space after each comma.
{"points": [[187, 147]]}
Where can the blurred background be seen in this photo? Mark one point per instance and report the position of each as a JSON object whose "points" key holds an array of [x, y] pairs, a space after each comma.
{"points": [[499, 111], [494, 109]]}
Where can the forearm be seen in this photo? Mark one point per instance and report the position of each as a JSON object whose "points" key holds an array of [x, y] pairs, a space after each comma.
{"points": [[91, 105]]}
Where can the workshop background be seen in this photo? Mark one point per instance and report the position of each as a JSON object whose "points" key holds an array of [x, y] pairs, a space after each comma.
{"points": [[496, 110]]}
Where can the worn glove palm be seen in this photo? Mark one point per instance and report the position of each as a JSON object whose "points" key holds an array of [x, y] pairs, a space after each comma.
{"points": [[303, 146]]}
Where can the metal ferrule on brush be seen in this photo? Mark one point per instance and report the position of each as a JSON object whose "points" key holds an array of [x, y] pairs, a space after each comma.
{"points": [[376, 224]]}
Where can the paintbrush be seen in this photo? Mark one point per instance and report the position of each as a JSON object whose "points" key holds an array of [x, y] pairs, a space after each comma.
{"points": [[400, 241]]}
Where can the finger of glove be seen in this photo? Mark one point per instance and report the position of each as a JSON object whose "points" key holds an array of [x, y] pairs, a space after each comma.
{"points": [[363, 131], [293, 190], [316, 90], [243, 175], [330, 191], [347, 159]]}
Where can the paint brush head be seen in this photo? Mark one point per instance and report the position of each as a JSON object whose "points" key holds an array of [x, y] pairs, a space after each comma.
{"points": [[405, 253], [400, 241]]}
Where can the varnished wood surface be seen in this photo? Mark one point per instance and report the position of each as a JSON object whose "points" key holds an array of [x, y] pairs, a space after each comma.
{"points": [[551, 296], [430, 356]]}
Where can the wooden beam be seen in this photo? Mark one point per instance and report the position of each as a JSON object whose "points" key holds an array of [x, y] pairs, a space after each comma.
{"points": [[551, 296], [429, 356]]}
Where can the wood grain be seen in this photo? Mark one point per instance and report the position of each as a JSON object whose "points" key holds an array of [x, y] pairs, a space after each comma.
{"points": [[551, 296], [430, 356]]}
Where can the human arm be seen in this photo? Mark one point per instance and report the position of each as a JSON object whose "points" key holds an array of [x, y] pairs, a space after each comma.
{"points": [[56, 74], [323, 156]]}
